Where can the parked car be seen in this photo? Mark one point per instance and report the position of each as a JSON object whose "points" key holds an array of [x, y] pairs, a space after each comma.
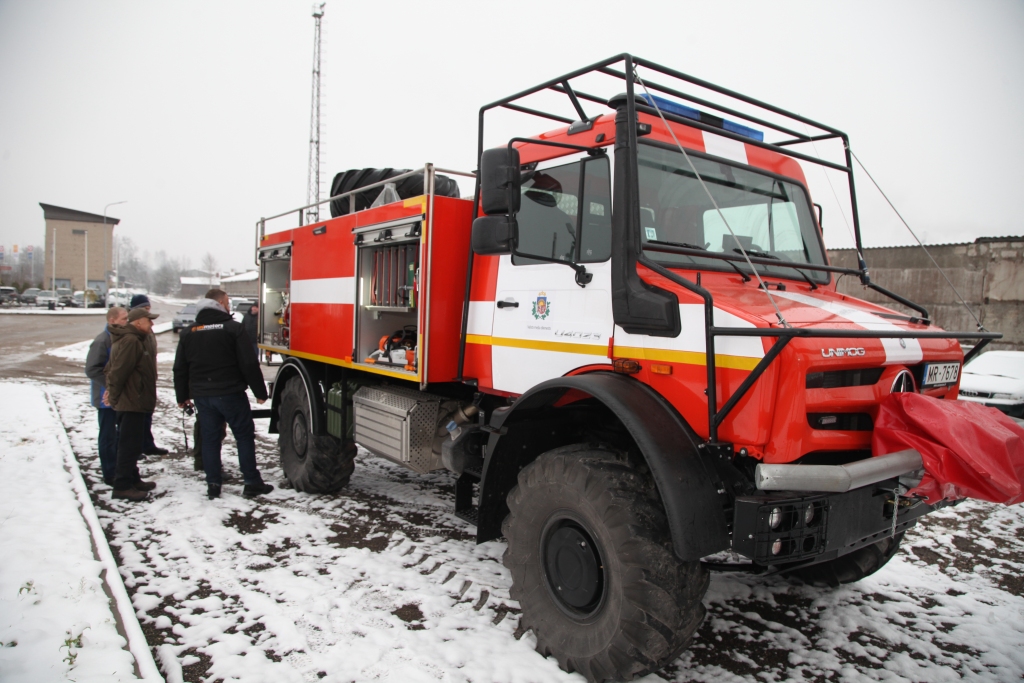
{"points": [[8, 295], [996, 379], [119, 297], [29, 295], [184, 318], [45, 297], [65, 296], [241, 305]]}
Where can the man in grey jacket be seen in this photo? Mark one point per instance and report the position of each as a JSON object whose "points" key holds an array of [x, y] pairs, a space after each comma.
{"points": [[99, 355]]}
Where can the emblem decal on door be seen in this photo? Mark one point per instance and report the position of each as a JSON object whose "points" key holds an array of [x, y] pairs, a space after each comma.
{"points": [[541, 307]]}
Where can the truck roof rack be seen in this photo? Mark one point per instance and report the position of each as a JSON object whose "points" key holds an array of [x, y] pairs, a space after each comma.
{"points": [[779, 125]]}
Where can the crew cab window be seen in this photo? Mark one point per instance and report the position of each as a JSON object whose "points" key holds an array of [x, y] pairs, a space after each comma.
{"points": [[555, 222]]}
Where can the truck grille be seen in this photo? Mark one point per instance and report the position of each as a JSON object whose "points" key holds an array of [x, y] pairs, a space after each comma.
{"points": [[835, 379], [847, 422]]}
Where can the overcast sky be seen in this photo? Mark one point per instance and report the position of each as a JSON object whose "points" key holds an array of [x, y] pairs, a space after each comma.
{"points": [[197, 113]]}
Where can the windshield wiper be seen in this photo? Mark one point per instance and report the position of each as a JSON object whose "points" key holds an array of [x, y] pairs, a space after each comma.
{"points": [[687, 245], [764, 254], [757, 253]]}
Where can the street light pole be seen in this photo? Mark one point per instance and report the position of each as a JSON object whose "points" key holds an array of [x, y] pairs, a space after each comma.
{"points": [[106, 277], [85, 287]]}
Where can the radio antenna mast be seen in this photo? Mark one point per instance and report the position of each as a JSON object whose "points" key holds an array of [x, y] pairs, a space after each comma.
{"points": [[313, 185]]}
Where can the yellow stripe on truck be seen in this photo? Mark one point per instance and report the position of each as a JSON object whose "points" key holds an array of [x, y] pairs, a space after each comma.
{"points": [[561, 347], [663, 355], [686, 357]]}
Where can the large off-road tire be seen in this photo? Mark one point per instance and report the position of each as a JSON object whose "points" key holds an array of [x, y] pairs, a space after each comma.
{"points": [[593, 569], [312, 463], [852, 566]]}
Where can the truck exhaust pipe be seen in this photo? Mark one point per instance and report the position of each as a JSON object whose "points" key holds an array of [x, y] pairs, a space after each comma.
{"points": [[837, 478]]}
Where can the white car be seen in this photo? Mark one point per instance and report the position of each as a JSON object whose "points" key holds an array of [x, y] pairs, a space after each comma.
{"points": [[119, 297], [45, 297], [996, 379]]}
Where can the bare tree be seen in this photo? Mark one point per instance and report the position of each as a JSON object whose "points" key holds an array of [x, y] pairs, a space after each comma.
{"points": [[210, 266]]}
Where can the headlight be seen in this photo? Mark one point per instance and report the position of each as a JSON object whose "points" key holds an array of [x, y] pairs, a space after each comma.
{"points": [[1009, 397]]}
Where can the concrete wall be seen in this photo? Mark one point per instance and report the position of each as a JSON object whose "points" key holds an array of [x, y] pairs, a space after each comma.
{"points": [[70, 256], [988, 273]]}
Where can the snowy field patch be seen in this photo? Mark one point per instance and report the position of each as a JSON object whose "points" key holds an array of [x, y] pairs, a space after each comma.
{"points": [[25, 310], [382, 582], [78, 352], [56, 622]]}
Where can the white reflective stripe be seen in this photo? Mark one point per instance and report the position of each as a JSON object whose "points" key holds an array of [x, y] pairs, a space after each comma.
{"points": [[328, 290], [896, 350], [726, 148], [691, 335], [481, 317]]}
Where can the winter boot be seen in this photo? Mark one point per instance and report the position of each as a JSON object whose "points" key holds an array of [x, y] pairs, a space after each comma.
{"points": [[130, 494], [252, 490]]}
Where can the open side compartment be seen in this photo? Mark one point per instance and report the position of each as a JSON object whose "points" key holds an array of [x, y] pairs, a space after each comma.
{"points": [[275, 296], [387, 333]]}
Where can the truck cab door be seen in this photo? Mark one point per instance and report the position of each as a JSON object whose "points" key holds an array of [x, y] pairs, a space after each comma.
{"points": [[544, 324]]}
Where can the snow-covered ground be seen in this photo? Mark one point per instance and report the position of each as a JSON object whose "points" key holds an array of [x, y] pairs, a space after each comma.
{"points": [[56, 621], [79, 351], [382, 582]]}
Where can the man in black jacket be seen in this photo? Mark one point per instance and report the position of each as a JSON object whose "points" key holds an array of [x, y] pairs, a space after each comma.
{"points": [[214, 364]]}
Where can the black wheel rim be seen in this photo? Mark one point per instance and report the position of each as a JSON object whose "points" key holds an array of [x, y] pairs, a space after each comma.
{"points": [[573, 567], [300, 434]]}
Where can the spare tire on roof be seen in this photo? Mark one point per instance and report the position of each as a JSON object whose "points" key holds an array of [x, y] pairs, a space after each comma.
{"points": [[412, 186]]}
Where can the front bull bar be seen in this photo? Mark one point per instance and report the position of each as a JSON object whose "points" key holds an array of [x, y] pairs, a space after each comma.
{"points": [[837, 478]]}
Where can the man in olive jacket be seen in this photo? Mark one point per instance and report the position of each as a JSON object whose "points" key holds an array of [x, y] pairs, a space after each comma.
{"points": [[131, 391]]}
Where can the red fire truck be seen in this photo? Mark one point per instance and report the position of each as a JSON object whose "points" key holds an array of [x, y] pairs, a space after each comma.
{"points": [[628, 346]]}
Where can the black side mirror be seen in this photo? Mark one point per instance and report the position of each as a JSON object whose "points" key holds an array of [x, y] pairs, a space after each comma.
{"points": [[500, 181], [821, 214], [494, 235], [497, 232]]}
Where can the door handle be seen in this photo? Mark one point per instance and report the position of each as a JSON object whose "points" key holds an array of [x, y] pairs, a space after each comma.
{"points": [[508, 304]]}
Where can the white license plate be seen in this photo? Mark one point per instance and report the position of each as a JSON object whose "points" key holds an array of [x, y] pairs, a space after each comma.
{"points": [[941, 373]]}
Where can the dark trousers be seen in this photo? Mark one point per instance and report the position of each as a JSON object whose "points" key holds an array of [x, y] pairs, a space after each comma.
{"points": [[149, 446], [131, 435], [233, 409], [108, 442]]}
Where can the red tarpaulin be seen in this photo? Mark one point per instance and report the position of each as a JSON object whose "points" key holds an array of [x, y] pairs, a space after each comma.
{"points": [[969, 450]]}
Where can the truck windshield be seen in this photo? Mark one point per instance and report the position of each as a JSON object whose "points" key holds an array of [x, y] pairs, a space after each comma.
{"points": [[771, 217]]}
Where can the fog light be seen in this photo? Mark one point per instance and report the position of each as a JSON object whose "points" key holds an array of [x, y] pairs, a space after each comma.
{"points": [[775, 518], [809, 514], [777, 546]]}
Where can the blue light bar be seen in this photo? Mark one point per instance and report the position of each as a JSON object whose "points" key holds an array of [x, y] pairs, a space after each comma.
{"points": [[689, 112]]}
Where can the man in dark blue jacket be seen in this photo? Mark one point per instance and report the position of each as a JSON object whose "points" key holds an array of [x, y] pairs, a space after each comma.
{"points": [[99, 356], [214, 364]]}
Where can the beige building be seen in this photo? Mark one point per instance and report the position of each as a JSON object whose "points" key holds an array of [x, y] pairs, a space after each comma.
{"points": [[71, 238]]}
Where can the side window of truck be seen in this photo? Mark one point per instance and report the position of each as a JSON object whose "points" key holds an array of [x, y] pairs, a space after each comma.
{"points": [[555, 222]]}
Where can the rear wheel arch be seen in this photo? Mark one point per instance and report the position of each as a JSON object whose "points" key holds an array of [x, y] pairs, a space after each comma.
{"points": [[311, 373], [682, 472]]}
